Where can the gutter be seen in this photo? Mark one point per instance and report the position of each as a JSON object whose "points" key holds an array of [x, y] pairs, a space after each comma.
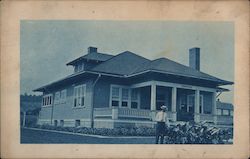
{"points": [[223, 82], [163, 72], [92, 101]]}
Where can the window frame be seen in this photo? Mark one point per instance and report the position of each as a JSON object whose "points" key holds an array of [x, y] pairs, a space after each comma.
{"points": [[231, 113], [47, 100], [135, 100], [125, 100], [57, 97], [115, 98], [224, 112], [219, 111], [78, 98], [63, 100], [120, 97], [201, 104]]}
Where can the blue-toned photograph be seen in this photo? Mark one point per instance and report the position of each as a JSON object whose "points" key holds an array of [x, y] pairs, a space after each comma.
{"points": [[126, 82]]}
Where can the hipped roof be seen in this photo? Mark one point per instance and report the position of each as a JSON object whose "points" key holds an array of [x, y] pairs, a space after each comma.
{"points": [[128, 64], [92, 56]]}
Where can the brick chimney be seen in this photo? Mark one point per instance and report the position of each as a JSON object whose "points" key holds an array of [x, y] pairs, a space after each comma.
{"points": [[92, 50], [194, 58]]}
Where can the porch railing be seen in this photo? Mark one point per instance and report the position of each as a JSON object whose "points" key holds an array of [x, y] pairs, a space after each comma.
{"points": [[134, 113], [115, 113]]}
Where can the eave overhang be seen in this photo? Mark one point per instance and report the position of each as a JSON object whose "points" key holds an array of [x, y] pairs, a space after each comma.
{"points": [[218, 82]]}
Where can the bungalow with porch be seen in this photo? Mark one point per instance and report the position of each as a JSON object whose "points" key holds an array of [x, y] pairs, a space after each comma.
{"points": [[127, 89]]}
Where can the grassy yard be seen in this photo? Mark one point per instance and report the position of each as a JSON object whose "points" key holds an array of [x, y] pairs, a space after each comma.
{"points": [[29, 136]]}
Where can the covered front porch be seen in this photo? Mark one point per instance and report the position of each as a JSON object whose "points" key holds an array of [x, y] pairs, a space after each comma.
{"points": [[141, 101]]}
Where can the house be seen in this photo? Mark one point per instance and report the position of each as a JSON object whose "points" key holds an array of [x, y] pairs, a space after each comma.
{"points": [[224, 113], [127, 89]]}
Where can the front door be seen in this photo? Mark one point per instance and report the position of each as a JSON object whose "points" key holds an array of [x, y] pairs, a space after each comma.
{"points": [[185, 110]]}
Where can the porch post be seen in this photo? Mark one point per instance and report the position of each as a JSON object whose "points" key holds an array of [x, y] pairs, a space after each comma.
{"points": [[197, 106], [173, 105], [153, 96], [153, 100], [214, 108]]}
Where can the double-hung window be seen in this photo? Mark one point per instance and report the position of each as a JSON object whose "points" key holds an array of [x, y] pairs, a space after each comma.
{"points": [[63, 96], [57, 97], [115, 97], [79, 67], [122, 96], [134, 98], [125, 97], [79, 95], [47, 100], [231, 112], [225, 111], [219, 112]]}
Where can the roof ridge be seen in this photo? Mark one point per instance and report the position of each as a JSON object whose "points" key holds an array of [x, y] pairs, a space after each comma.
{"points": [[122, 53], [189, 67], [135, 55]]}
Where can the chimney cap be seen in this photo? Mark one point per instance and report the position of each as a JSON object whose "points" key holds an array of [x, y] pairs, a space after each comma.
{"points": [[92, 49]]}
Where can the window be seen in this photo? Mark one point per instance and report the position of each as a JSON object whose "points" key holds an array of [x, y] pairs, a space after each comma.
{"points": [[57, 97], [125, 95], [134, 98], [231, 112], [47, 100], [219, 112], [63, 96], [79, 95], [79, 67], [115, 97], [225, 112], [76, 68]]}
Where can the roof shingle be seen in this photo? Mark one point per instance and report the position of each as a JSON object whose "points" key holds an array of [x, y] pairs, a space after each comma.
{"points": [[171, 67], [96, 56], [122, 64]]}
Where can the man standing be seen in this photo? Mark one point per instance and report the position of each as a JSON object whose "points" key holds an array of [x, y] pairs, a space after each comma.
{"points": [[161, 119]]}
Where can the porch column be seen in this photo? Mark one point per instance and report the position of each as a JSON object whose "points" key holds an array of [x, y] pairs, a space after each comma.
{"points": [[214, 108], [153, 97], [153, 101], [197, 106], [173, 105]]}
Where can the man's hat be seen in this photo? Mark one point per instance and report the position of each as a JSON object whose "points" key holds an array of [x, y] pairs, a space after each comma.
{"points": [[163, 107]]}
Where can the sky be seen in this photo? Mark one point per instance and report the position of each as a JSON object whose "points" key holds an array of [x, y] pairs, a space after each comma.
{"points": [[46, 46]]}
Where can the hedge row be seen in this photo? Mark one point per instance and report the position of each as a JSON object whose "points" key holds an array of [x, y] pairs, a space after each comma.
{"points": [[121, 131]]}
